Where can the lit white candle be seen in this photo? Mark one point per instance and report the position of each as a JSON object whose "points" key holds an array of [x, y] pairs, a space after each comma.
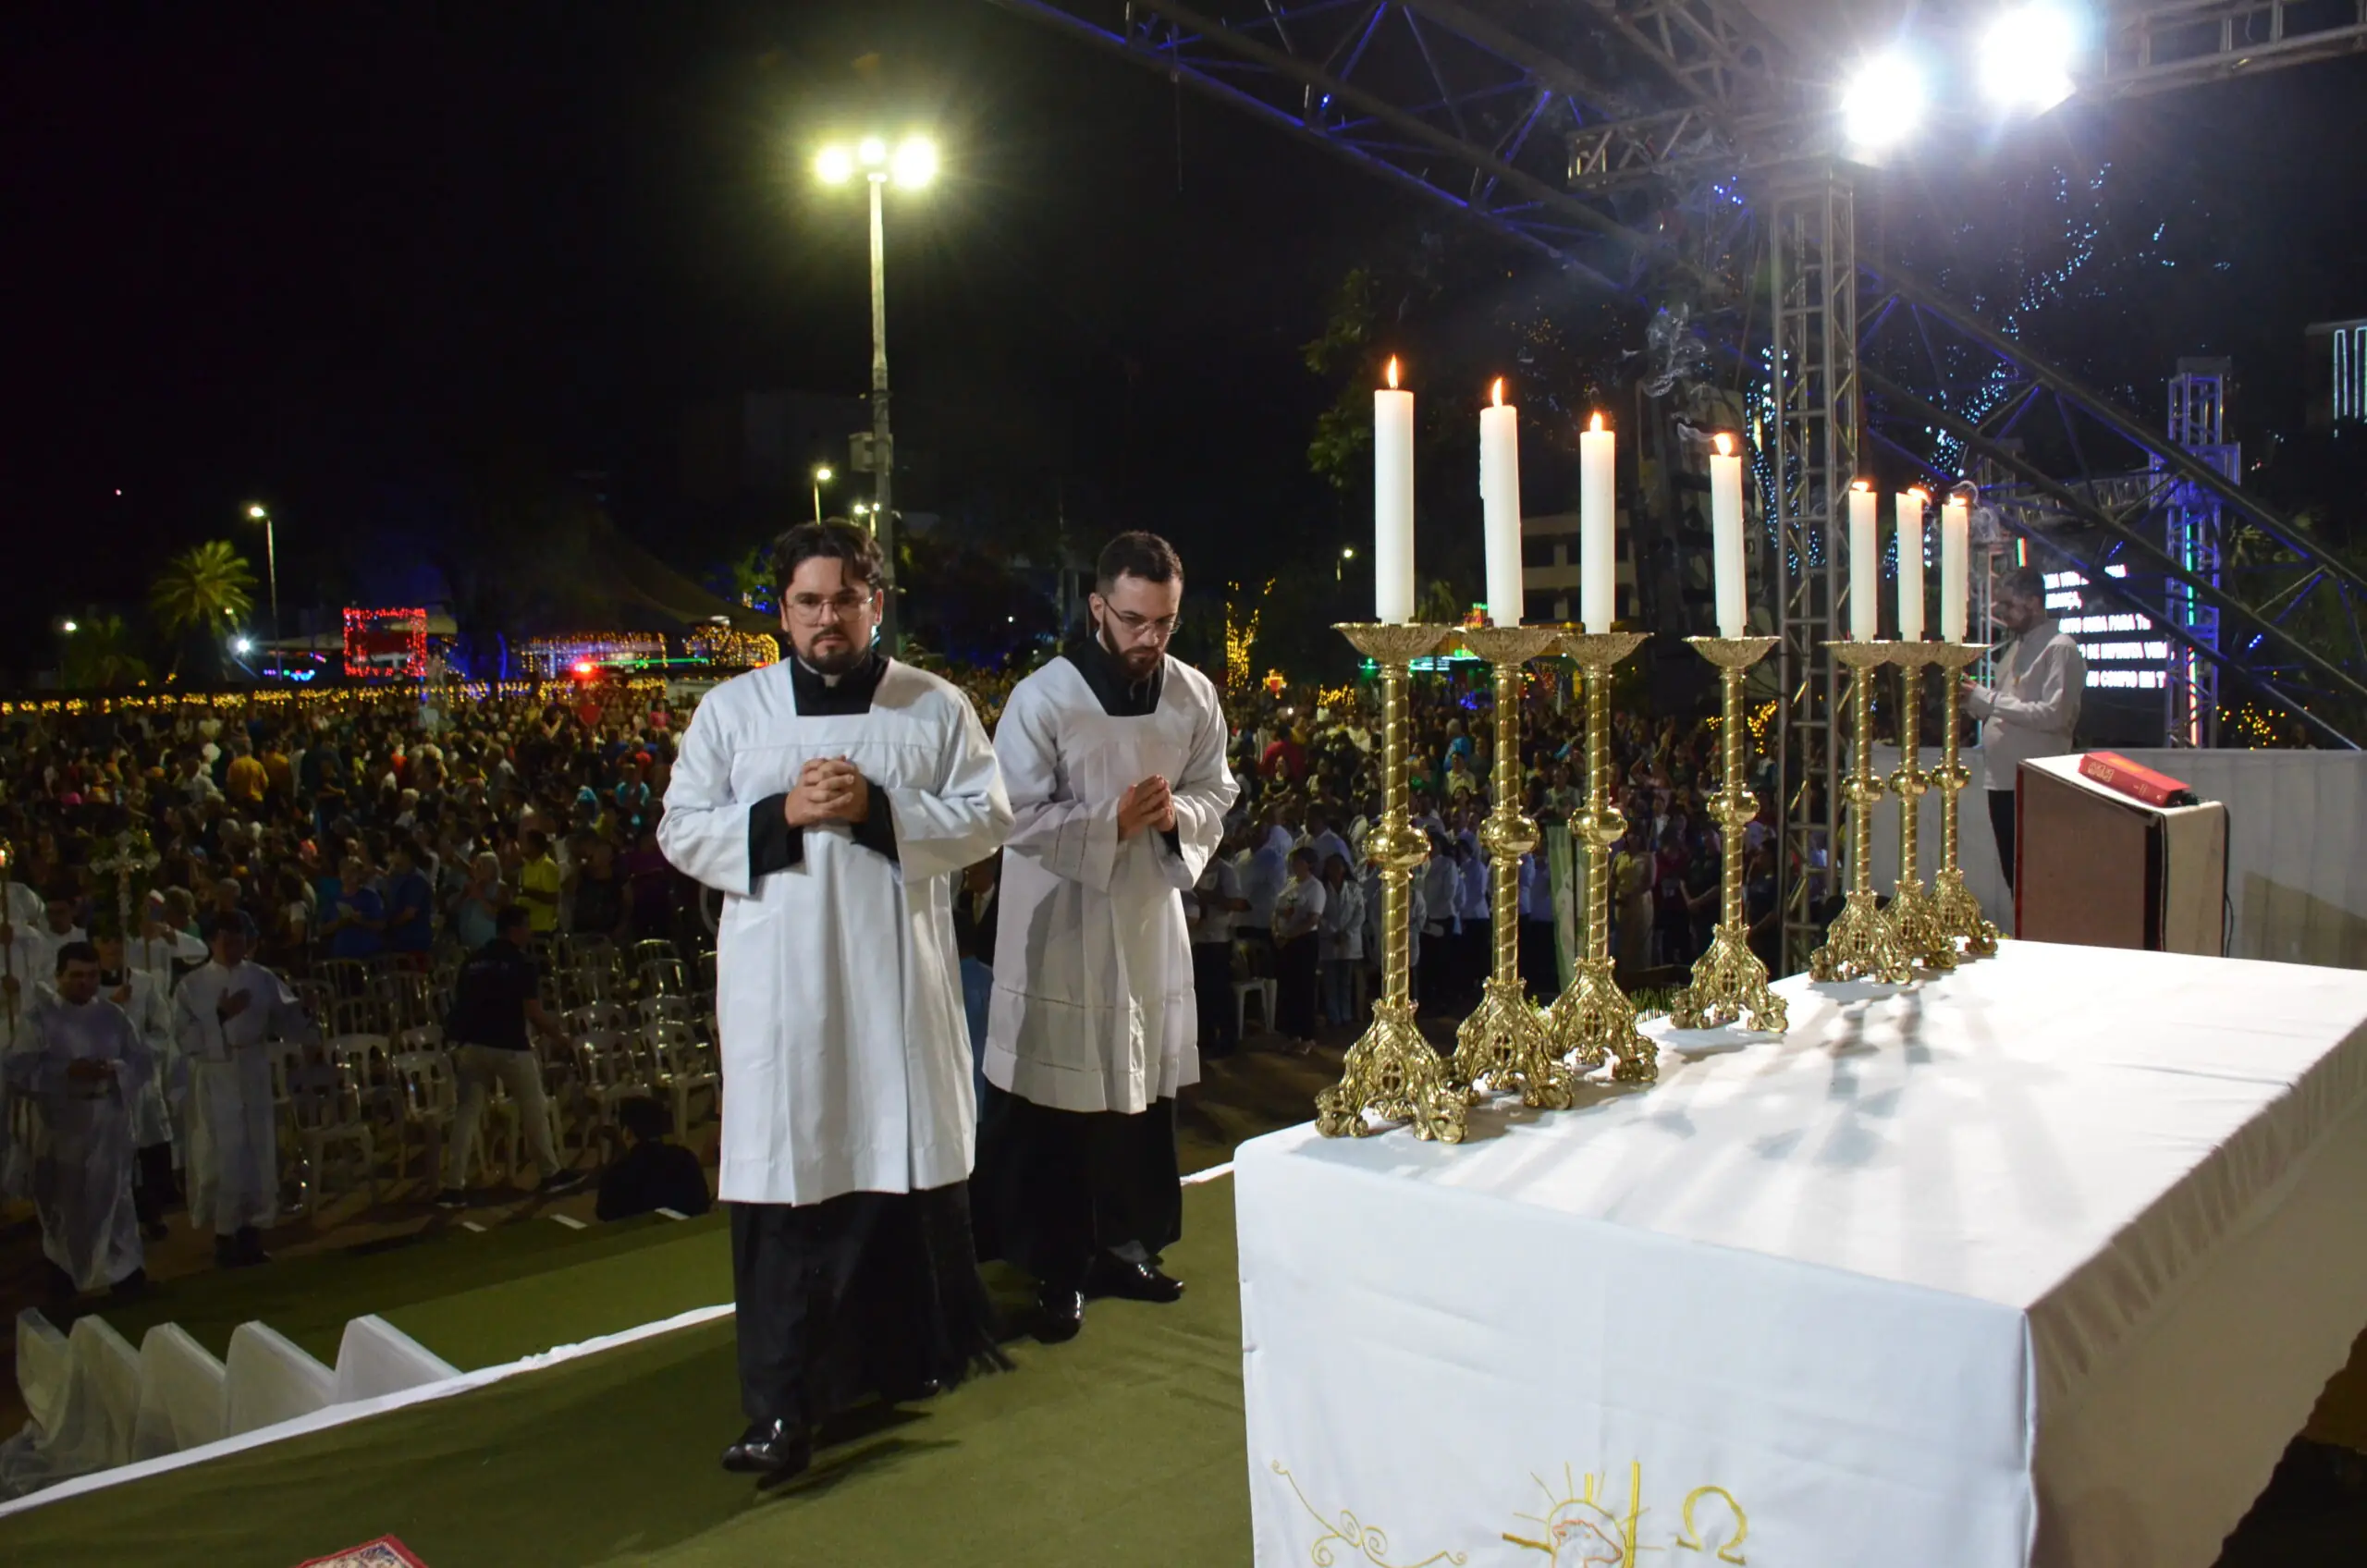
{"points": [[1910, 565], [1598, 502], [1955, 567], [1865, 563], [1725, 537], [1499, 506], [1392, 502]]}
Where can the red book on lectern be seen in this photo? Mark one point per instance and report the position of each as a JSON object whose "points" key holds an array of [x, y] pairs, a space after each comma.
{"points": [[2116, 772]]}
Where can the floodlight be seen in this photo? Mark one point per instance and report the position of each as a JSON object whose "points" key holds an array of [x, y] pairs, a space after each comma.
{"points": [[244, 645], [256, 513], [836, 165], [2025, 59], [915, 161], [1884, 103], [871, 153], [822, 475], [68, 627]]}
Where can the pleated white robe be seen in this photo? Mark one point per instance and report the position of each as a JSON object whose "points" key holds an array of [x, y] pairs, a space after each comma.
{"points": [[1093, 1004], [846, 1059], [233, 1137], [82, 1153]]}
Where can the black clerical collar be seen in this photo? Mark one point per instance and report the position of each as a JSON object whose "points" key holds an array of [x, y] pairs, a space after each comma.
{"points": [[1120, 696], [820, 696]]}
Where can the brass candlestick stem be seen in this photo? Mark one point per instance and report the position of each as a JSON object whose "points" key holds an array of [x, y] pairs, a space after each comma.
{"points": [[1954, 912], [1910, 902], [1503, 1044], [1391, 1071], [1729, 982], [1593, 1021], [1862, 944]]}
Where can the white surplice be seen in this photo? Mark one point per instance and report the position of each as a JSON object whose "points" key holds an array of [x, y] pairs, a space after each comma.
{"points": [[82, 1151], [150, 1011], [233, 1143], [846, 1056], [1093, 1006]]}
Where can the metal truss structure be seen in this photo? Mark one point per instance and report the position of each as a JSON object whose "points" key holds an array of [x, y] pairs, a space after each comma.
{"points": [[1560, 125]]}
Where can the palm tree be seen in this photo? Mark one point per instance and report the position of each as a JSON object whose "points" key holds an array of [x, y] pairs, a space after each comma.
{"points": [[101, 655], [205, 590]]}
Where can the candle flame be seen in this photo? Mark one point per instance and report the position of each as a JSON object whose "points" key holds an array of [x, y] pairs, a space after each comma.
{"points": [[1497, 392], [1865, 485], [1919, 493], [1596, 426], [1393, 373], [1725, 444]]}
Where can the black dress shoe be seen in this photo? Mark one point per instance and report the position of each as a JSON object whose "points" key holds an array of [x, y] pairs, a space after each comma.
{"points": [[777, 1448], [1110, 1276], [1060, 1315]]}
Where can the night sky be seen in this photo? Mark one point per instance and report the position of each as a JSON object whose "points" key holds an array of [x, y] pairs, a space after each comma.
{"points": [[340, 258]]}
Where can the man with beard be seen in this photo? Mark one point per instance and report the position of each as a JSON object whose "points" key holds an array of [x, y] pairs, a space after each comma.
{"points": [[832, 799], [1114, 755]]}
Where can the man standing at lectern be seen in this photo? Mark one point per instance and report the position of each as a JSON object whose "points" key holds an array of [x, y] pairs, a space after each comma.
{"points": [[2034, 706]]}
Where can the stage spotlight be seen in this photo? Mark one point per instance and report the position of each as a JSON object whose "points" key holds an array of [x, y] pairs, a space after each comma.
{"points": [[2025, 59], [1884, 103]]}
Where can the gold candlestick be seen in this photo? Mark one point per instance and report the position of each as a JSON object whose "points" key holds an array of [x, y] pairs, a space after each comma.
{"points": [[1954, 912], [1911, 912], [1593, 1021], [1503, 1044], [1862, 944], [1729, 982], [1391, 1071]]}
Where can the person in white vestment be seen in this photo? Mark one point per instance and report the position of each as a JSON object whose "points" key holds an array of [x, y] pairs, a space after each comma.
{"points": [[84, 1067], [226, 1016], [2034, 705], [155, 1121], [1114, 755], [833, 799]]}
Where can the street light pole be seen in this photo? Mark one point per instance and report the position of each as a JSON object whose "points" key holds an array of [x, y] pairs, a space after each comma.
{"points": [[822, 475], [271, 560], [911, 165], [883, 447]]}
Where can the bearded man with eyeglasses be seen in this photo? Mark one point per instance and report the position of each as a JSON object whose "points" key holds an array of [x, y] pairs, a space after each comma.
{"points": [[832, 799], [1114, 755]]}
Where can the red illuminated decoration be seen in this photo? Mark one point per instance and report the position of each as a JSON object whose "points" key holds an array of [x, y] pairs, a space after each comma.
{"points": [[583, 668], [386, 641]]}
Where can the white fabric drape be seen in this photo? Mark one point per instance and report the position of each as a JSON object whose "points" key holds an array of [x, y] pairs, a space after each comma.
{"points": [[1971, 1275]]}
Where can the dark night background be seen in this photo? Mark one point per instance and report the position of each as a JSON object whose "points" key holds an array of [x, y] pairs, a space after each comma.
{"points": [[368, 263]]}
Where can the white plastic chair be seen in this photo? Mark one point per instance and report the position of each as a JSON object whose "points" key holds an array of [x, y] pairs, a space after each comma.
{"points": [[1268, 993], [430, 1098]]}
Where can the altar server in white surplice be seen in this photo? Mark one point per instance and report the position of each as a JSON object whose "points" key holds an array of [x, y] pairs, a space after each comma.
{"points": [[83, 1066], [155, 1121], [833, 798], [227, 1015], [1114, 755]]}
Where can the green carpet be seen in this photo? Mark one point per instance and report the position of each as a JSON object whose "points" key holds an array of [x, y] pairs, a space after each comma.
{"points": [[1122, 1447]]}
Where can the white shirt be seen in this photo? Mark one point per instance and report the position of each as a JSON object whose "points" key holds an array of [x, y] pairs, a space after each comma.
{"points": [[2034, 707], [1299, 909], [1211, 922]]}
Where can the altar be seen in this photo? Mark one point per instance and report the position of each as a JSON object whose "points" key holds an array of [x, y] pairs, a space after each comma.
{"points": [[2041, 1261]]}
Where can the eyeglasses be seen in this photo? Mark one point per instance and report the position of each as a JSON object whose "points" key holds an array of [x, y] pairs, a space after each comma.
{"points": [[1139, 628], [836, 606]]}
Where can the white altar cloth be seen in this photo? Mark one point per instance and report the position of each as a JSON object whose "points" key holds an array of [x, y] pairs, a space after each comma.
{"points": [[2040, 1262]]}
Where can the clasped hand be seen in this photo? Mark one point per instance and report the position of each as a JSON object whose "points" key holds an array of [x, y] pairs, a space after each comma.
{"points": [[829, 790], [1148, 804]]}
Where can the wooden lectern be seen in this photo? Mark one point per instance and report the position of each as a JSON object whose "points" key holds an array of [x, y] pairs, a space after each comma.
{"points": [[2102, 869]]}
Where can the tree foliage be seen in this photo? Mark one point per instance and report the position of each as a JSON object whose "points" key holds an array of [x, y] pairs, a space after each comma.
{"points": [[101, 655]]}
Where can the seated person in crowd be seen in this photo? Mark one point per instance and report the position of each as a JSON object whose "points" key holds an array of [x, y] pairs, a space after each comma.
{"points": [[655, 1172]]}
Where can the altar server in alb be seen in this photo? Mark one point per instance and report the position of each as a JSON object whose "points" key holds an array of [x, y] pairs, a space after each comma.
{"points": [[225, 1015], [833, 798], [84, 1067], [1114, 755]]}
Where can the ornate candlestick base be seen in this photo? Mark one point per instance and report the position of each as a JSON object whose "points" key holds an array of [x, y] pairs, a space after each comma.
{"points": [[1729, 982], [1593, 1021], [1391, 1071], [1503, 1044], [1862, 944], [1920, 933], [1955, 912]]}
